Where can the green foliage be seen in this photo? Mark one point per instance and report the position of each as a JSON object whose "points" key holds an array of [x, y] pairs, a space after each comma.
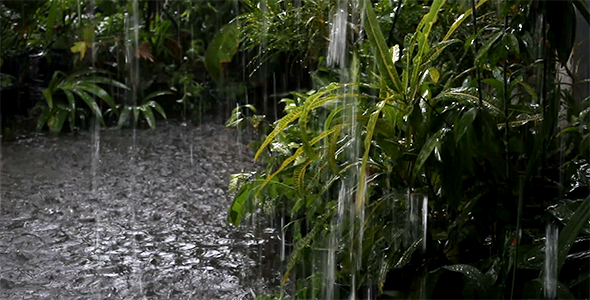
{"points": [[221, 50], [85, 86], [411, 123]]}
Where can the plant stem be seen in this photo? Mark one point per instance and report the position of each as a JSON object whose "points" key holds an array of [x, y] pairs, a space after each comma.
{"points": [[506, 100], [476, 48], [397, 12]]}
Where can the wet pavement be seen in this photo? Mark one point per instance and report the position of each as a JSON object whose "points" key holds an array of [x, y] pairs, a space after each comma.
{"points": [[142, 218]]}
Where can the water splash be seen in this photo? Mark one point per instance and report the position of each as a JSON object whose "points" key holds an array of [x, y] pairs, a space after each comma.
{"points": [[550, 271]]}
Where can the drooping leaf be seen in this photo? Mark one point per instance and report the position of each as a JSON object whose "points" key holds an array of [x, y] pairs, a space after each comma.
{"points": [[155, 105], [58, 120], [149, 116], [90, 102], [465, 123], [99, 92], [426, 150], [124, 116], [156, 94], [43, 117]]}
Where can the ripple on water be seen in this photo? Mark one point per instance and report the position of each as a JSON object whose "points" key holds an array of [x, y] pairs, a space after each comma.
{"points": [[153, 227]]}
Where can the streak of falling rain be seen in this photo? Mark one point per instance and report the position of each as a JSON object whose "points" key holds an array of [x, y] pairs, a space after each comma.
{"points": [[133, 64], [550, 264]]}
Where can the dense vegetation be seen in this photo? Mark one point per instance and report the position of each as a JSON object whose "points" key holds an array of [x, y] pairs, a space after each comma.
{"points": [[107, 60], [429, 160], [425, 150]]}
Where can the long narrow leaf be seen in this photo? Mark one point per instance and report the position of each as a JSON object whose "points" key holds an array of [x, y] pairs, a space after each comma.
{"points": [[568, 235], [90, 102], [460, 20], [382, 55]]}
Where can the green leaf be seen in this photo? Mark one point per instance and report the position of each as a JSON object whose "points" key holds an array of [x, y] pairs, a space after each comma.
{"points": [[72, 103], [476, 278], [51, 20], [428, 147], [460, 20], [568, 235], [43, 117], [149, 116], [511, 43], [155, 105], [157, 94], [80, 47], [58, 120], [124, 116], [99, 92], [382, 55], [48, 96], [465, 123], [105, 80], [482, 54], [221, 50], [90, 102]]}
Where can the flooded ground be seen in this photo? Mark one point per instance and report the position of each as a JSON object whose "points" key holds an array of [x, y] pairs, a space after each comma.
{"points": [[145, 218]]}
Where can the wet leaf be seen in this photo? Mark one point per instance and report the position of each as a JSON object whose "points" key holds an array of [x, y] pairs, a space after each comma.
{"points": [[221, 50], [90, 102], [425, 152], [80, 47], [482, 54], [149, 116], [476, 278], [465, 123], [43, 118], [124, 116], [381, 52], [572, 229]]}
